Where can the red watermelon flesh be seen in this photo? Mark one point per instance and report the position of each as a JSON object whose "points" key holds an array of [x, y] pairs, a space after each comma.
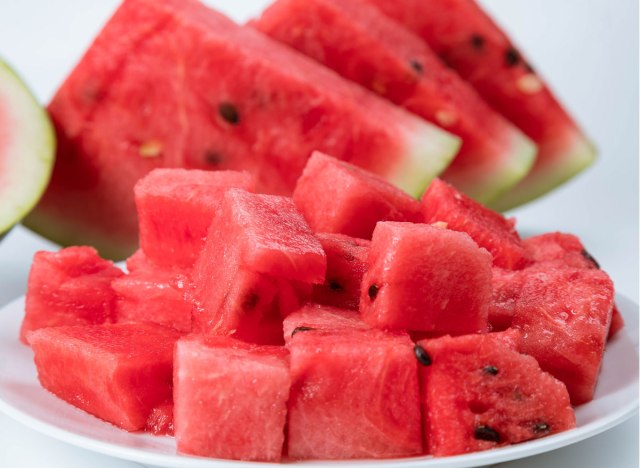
{"points": [[160, 420], [354, 394], [321, 317], [560, 249], [507, 289], [617, 322], [346, 264], [479, 392], [69, 287], [175, 209], [494, 156], [230, 398], [425, 278], [190, 88], [464, 36], [443, 203], [337, 197], [118, 373]]}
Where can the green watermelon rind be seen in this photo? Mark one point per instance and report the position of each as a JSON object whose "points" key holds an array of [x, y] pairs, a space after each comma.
{"points": [[27, 164]]}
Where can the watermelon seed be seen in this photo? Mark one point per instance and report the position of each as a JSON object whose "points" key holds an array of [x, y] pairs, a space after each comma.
{"points": [[229, 113], [529, 68], [421, 355], [250, 301], [373, 291], [512, 57], [335, 286], [589, 257], [300, 329], [541, 428], [491, 370], [477, 42], [486, 433], [213, 158], [417, 66]]}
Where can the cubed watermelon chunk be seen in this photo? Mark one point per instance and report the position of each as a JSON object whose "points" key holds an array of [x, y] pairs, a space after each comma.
{"points": [[346, 264], [426, 278], [69, 287], [443, 203], [160, 421], [559, 248], [230, 398], [354, 394], [320, 317], [479, 392], [341, 35], [175, 209], [340, 198], [117, 372]]}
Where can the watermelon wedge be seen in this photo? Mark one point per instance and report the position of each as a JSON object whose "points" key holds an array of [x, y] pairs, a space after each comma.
{"points": [[469, 41], [340, 34], [27, 146], [171, 83]]}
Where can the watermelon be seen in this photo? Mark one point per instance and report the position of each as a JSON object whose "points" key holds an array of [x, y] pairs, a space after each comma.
{"points": [[426, 278], [160, 420], [354, 394], [442, 203], [27, 147], [256, 244], [69, 287], [469, 41], [558, 248], [118, 373], [230, 398], [346, 264], [340, 198], [479, 392], [320, 317], [494, 156], [617, 322], [171, 83], [175, 209]]}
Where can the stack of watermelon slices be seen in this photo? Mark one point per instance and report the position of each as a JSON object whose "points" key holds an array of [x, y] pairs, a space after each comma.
{"points": [[171, 83], [440, 332]]}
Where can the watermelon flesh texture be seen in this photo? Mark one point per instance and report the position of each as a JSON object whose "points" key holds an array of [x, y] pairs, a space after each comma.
{"points": [[340, 198], [117, 372], [464, 36], [69, 287], [442, 203], [175, 208], [189, 88], [494, 155], [425, 278], [479, 392], [346, 264], [230, 398], [377, 413], [617, 322], [320, 317], [160, 421]]}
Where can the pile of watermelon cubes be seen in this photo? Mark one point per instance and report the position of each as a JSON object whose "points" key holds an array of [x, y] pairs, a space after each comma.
{"points": [[349, 321]]}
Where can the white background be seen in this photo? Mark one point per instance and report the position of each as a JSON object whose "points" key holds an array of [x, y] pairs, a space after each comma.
{"points": [[587, 50]]}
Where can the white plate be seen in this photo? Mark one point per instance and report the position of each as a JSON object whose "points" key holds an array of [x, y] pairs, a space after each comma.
{"points": [[22, 398]]}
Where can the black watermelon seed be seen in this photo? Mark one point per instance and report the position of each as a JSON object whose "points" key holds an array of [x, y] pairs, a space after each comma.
{"points": [[477, 42], [213, 158], [541, 428], [229, 113], [529, 68], [486, 433], [335, 286], [250, 301], [512, 57], [373, 291], [300, 329], [421, 355], [491, 370], [417, 66], [589, 257]]}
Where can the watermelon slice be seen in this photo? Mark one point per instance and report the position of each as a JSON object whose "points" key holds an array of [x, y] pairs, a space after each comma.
{"points": [[171, 83], [479, 392], [230, 398], [118, 373], [321, 317], [464, 36], [442, 203], [354, 394], [340, 34], [27, 146], [425, 278], [69, 287], [338, 197]]}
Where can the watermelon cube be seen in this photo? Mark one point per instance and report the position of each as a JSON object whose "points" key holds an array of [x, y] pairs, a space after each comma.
{"points": [[69, 287], [559, 249], [338, 197], [230, 398], [354, 394], [479, 392], [346, 264], [320, 317], [117, 372], [175, 209], [426, 278], [160, 420], [442, 203]]}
